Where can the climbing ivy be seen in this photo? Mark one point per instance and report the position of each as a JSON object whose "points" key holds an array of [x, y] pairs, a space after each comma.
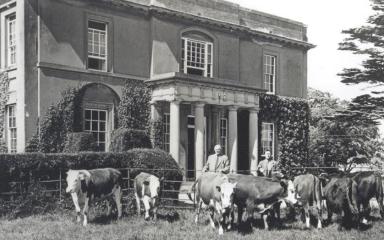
{"points": [[4, 88]]}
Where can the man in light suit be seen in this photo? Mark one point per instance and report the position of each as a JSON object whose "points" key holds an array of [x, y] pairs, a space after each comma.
{"points": [[267, 166], [217, 162]]}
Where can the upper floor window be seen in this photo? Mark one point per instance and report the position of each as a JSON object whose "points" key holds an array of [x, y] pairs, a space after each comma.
{"points": [[267, 137], [11, 39], [196, 57], [97, 45], [223, 134], [269, 73]]}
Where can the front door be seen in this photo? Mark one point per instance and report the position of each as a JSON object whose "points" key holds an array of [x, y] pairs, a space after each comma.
{"points": [[243, 141], [191, 148]]}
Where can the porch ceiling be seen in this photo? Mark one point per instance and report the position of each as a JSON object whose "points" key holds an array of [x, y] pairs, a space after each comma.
{"points": [[187, 88]]}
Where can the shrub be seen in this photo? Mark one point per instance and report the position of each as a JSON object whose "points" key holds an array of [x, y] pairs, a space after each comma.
{"points": [[79, 142], [124, 139], [33, 167]]}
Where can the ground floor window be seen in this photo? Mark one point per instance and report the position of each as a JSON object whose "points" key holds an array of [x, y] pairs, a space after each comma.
{"points": [[223, 134], [267, 137], [166, 131], [12, 133], [95, 122]]}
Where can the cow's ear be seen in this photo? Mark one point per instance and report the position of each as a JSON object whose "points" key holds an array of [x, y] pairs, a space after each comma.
{"points": [[218, 188], [146, 182], [81, 176]]}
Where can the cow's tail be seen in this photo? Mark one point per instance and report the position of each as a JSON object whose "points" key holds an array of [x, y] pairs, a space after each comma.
{"points": [[193, 189], [351, 194], [318, 196]]}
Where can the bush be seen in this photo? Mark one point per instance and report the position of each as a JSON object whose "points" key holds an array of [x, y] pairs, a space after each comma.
{"points": [[79, 142], [34, 167], [124, 139]]}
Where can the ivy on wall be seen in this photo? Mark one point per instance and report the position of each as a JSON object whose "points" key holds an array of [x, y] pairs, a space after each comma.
{"points": [[291, 118], [4, 88], [58, 122]]}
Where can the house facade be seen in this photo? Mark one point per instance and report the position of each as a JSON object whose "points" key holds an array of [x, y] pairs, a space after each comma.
{"points": [[206, 61]]}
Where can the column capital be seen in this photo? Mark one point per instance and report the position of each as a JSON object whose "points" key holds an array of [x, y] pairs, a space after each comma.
{"points": [[254, 110], [199, 104], [175, 101], [233, 108]]}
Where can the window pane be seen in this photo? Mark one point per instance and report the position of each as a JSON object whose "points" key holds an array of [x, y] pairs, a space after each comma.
{"points": [[87, 126], [102, 127], [95, 115], [87, 114], [95, 126]]}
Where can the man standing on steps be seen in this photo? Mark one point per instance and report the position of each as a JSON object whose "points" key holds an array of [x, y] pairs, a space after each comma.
{"points": [[267, 166], [217, 162]]}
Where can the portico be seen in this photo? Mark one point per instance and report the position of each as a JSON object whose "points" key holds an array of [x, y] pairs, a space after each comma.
{"points": [[206, 112]]}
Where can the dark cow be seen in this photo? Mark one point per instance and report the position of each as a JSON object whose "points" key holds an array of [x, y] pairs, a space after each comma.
{"points": [[260, 194], [341, 197], [308, 190], [369, 185], [214, 190], [147, 190], [102, 183]]}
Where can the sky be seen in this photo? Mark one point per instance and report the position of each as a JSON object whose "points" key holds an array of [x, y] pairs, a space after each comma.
{"points": [[325, 20]]}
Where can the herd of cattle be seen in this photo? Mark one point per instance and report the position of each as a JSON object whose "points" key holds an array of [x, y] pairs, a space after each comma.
{"points": [[347, 195]]}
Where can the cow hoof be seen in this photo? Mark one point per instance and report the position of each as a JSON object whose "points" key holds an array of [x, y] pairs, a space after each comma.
{"points": [[146, 219], [229, 227], [221, 231], [365, 221]]}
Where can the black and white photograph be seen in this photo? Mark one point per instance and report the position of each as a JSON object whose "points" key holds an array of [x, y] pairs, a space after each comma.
{"points": [[191, 119]]}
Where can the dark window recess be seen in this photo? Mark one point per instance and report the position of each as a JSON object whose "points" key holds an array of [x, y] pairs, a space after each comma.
{"points": [[195, 71], [94, 63], [97, 25]]}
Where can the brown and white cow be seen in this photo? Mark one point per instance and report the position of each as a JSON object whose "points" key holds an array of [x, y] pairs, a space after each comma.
{"points": [[147, 190], [308, 190], [260, 194], [215, 191], [86, 185]]}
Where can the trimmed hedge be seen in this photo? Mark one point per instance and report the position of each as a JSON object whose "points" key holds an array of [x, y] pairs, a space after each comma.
{"points": [[79, 142], [30, 168], [123, 139]]}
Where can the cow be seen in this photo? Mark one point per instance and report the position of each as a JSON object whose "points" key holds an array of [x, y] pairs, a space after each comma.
{"points": [[86, 185], [260, 194], [214, 190], [341, 195], [369, 185], [309, 195], [147, 189]]}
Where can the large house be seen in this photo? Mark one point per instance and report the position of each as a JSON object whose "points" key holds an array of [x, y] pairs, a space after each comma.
{"points": [[207, 62]]}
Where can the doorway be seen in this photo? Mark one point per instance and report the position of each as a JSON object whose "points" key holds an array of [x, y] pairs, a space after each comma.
{"points": [[243, 163], [191, 148]]}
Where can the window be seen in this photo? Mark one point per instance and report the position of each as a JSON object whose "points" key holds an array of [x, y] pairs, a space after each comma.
{"points": [[269, 73], [95, 122], [166, 131], [267, 137], [11, 39], [223, 134], [196, 57], [97, 45], [12, 138]]}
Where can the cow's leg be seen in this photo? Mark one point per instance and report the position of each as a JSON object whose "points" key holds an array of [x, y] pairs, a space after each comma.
{"points": [[147, 207], [138, 208], [117, 197], [85, 211], [265, 219], [211, 215], [109, 208], [75, 200], [366, 211], [319, 210], [198, 209], [154, 205], [307, 217], [329, 214]]}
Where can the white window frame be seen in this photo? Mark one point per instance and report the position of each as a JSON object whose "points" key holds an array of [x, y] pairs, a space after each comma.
{"points": [[269, 73], [11, 39], [166, 131], [224, 137], [12, 130], [98, 131], [206, 62], [97, 54], [268, 137]]}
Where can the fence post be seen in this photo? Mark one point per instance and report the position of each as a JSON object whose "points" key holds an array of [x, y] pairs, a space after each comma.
{"points": [[129, 177], [60, 186]]}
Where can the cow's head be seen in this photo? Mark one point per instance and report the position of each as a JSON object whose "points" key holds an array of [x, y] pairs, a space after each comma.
{"points": [[153, 183], [291, 196], [74, 179], [226, 191]]}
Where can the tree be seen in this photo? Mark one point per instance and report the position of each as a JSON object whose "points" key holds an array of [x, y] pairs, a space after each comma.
{"points": [[367, 40], [337, 135]]}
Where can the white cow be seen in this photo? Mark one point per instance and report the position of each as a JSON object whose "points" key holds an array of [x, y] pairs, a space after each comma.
{"points": [[147, 190], [97, 183]]}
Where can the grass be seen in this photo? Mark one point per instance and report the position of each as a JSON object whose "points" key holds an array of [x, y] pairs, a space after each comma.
{"points": [[171, 225]]}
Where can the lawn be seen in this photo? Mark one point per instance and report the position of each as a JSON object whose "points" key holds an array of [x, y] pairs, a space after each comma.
{"points": [[171, 225]]}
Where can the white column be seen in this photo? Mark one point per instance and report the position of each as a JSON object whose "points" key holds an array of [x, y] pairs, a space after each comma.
{"points": [[199, 138], [232, 137], [20, 77], [174, 141], [253, 140]]}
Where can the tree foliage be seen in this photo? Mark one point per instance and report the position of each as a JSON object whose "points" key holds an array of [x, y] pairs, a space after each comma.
{"points": [[368, 41], [337, 134]]}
